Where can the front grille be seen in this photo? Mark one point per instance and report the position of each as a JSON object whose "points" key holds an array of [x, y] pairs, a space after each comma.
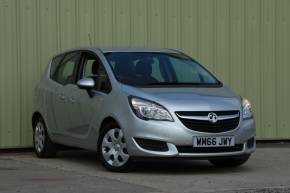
{"points": [[152, 145], [190, 149], [197, 120]]}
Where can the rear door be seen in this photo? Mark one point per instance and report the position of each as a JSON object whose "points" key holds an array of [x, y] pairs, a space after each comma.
{"points": [[64, 77], [50, 92]]}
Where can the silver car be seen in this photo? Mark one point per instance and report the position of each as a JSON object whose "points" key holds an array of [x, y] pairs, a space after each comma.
{"points": [[135, 103]]}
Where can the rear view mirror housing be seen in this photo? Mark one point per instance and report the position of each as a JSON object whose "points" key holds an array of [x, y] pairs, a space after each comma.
{"points": [[87, 84]]}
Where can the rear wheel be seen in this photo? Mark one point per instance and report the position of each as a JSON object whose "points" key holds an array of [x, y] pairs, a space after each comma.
{"points": [[230, 162], [43, 146], [113, 149]]}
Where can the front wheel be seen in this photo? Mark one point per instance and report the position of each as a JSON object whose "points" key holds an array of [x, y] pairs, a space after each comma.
{"points": [[230, 162], [113, 149]]}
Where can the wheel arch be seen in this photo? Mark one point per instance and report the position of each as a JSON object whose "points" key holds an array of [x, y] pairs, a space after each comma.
{"points": [[107, 120], [35, 116]]}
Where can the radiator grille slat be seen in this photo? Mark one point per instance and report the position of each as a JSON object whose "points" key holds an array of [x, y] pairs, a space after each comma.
{"points": [[207, 126]]}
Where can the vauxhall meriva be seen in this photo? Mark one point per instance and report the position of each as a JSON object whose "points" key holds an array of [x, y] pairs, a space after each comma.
{"points": [[134, 103]]}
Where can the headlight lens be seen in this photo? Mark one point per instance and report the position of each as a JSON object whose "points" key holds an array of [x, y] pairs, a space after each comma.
{"points": [[148, 110], [247, 109]]}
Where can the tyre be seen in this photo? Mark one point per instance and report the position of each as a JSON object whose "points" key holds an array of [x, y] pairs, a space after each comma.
{"points": [[230, 162], [43, 146], [113, 149]]}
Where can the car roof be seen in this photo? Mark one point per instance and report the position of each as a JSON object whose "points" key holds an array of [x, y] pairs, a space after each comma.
{"points": [[119, 49], [132, 49], [122, 49]]}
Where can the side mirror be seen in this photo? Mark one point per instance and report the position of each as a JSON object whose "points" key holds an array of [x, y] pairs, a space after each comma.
{"points": [[87, 84]]}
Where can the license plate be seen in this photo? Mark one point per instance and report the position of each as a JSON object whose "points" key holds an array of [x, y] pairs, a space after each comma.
{"points": [[221, 141]]}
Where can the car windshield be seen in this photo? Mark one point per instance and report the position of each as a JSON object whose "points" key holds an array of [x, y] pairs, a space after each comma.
{"points": [[158, 69]]}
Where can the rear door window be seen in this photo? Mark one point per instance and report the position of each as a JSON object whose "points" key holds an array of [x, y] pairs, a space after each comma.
{"points": [[66, 72], [55, 63]]}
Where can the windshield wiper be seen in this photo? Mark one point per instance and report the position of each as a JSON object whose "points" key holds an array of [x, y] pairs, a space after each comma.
{"points": [[182, 83]]}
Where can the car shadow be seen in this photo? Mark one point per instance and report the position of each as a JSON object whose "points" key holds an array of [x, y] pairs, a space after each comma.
{"points": [[156, 166], [185, 167]]}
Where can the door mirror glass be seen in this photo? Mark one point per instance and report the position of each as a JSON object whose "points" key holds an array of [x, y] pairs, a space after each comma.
{"points": [[86, 83]]}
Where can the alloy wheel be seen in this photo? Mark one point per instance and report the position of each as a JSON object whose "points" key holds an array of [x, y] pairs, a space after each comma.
{"points": [[39, 137], [114, 149]]}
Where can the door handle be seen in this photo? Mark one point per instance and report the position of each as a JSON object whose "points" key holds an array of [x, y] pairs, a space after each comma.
{"points": [[61, 96], [72, 100]]}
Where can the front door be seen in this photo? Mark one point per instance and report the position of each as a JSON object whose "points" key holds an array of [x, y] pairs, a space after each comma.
{"points": [[82, 107]]}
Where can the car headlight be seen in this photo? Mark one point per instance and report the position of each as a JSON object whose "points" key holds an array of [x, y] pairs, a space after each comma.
{"points": [[149, 110], [247, 109]]}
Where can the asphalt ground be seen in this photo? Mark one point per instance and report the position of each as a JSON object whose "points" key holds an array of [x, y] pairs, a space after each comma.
{"points": [[268, 170]]}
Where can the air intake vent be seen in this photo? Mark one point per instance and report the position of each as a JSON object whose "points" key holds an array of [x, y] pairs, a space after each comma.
{"points": [[152, 145], [190, 149]]}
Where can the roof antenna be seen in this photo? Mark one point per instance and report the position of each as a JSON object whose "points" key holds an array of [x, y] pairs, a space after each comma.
{"points": [[90, 40]]}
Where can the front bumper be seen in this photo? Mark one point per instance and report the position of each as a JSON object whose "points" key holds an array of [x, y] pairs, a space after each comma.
{"points": [[174, 151], [175, 134]]}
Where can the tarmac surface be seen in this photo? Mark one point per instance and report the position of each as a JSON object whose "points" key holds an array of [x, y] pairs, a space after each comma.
{"points": [[268, 170]]}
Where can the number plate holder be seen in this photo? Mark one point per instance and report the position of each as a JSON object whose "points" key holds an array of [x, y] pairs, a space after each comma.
{"points": [[210, 141]]}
